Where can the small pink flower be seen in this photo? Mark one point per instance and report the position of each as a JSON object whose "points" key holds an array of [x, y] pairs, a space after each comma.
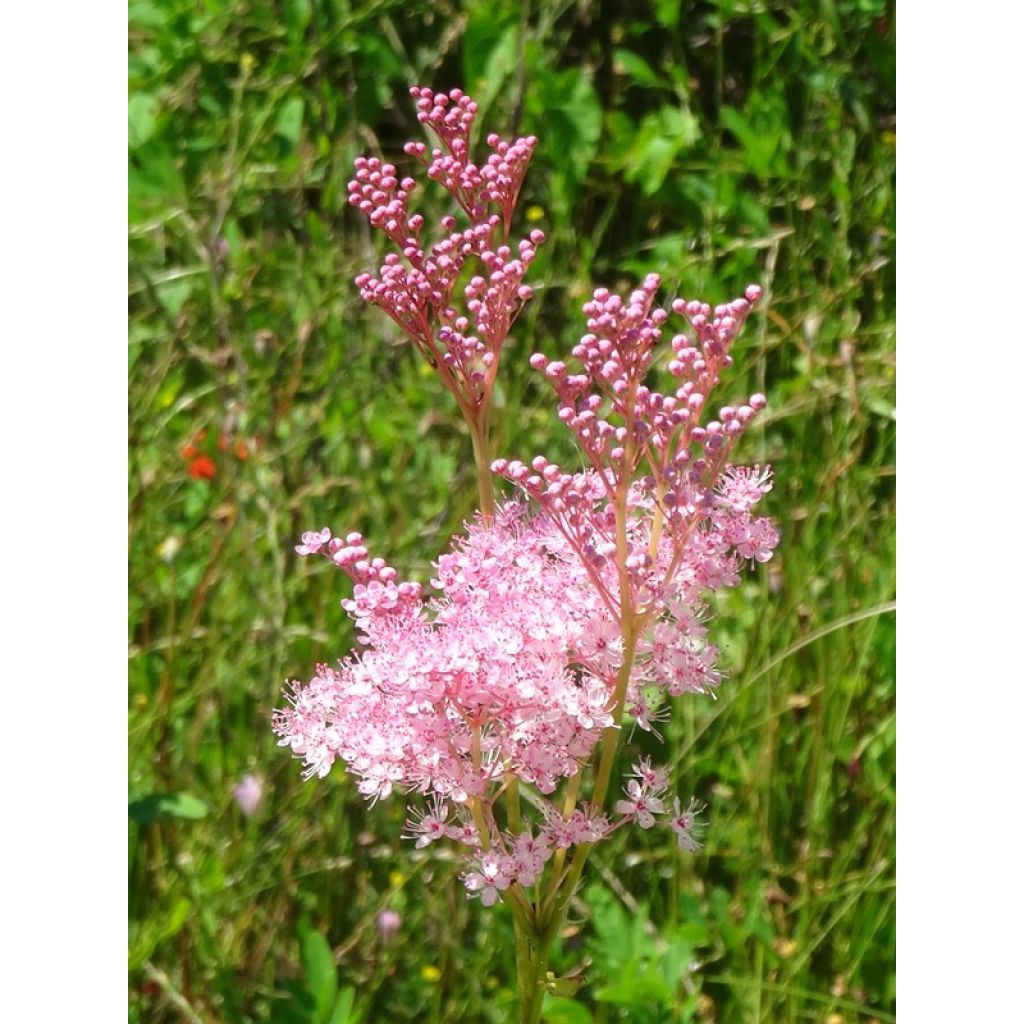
{"points": [[427, 826], [640, 806], [688, 828], [494, 877], [647, 717], [313, 541], [248, 795], [740, 488], [601, 643], [654, 779], [388, 923]]}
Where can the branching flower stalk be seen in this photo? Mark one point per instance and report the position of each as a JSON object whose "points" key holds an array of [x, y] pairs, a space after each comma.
{"points": [[562, 612], [416, 286]]}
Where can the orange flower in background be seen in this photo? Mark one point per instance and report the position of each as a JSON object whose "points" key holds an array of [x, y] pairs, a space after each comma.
{"points": [[191, 450], [202, 468]]}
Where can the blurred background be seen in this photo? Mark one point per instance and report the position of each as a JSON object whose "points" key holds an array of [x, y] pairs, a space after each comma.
{"points": [[714, 143]]}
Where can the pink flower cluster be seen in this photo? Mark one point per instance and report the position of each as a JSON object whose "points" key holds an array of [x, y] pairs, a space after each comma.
{"points": [[509, 672], [488, 656], [579, 602], [687, 511], [416, 286]]}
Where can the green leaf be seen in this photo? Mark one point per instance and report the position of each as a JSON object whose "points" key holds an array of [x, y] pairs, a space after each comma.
{"points": [[157, 806], [565, 1011], [289, 120], [488, 52], [142, 108], [297, 16], [564, 986], [636, 68], [343, 1008], [662, 136], [321, 971], [154, 184], [146, 14], [174, 294], [564, 106], [667, 12], [145, 936], [636, 982]]}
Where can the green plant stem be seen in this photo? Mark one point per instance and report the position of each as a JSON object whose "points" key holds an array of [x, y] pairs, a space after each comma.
{"points": [[482, 459], [533, 948], [515, 822]]}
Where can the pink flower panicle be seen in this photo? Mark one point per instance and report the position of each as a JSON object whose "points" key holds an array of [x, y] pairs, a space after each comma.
{"points": [[689, 526], [511, 668], [416, 286]]}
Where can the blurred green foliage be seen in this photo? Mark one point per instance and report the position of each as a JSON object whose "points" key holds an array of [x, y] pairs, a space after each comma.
{"points": [[715, 143]]}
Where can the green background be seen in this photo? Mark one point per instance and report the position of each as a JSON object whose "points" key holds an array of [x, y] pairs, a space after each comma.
{"points": [[713, 143]]}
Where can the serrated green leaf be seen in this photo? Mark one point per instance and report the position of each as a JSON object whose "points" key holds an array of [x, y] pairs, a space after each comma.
{"points": [[662, 136]]}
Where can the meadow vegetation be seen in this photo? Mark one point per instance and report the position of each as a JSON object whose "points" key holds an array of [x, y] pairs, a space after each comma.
{"points": [[713, 143]]}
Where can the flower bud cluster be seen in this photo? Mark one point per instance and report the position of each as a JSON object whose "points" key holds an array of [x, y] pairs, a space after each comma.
{"points": [[462, 335], [376, 594], [620, 422], [498, 181], [658, 466]]}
